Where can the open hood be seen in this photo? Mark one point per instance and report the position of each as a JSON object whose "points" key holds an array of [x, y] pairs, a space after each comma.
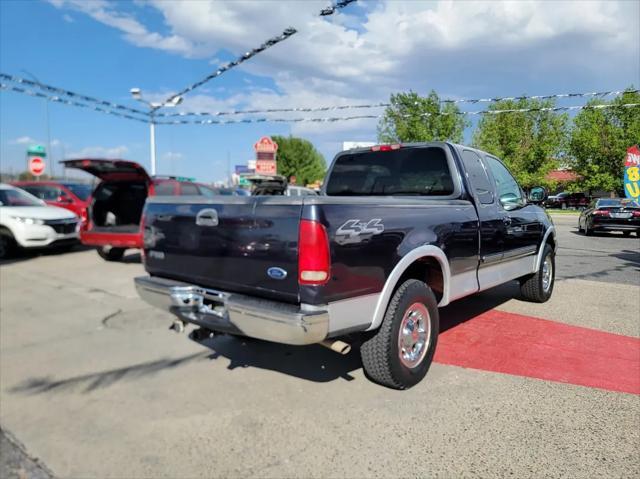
{"points": [[109, 170]]}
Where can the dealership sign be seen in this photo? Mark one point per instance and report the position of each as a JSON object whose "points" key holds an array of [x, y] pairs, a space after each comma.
{"points": [[266, 150], [632, 173]]}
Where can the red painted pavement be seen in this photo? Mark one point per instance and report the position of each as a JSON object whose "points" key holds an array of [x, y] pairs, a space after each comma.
{"points": [[538, 348]]}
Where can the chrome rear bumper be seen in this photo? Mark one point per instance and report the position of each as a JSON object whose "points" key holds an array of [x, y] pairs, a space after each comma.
{"points": [[235, 313]]}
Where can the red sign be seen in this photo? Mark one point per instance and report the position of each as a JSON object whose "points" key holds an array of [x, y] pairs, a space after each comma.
{"points": [[266, 167], [36, 165], [266, 156], [265, 145], [633, 156]]}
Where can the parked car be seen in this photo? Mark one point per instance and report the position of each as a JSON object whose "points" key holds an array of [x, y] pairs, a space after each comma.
{"points": [[28, 222], [610, 214], [70, 195], [566, 200], [114, 208], [293, 190], [399, 231]]}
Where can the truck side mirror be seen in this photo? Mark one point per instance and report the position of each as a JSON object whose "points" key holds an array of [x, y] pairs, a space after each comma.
{"points": [[537, 194]]}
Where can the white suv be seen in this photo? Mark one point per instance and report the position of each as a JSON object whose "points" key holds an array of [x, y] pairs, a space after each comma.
{"points": [[28, 222]]}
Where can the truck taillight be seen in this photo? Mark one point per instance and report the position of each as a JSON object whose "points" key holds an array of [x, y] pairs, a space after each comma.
{"points": [[314, 262]]}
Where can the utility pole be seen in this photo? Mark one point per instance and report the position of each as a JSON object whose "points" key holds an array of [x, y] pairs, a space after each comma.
{"points": [[46, 114], [153, 107]]}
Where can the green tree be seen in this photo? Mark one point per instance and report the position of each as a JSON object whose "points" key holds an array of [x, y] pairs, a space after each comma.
{"points": [[28, 176], [529, 143], [411, 117], [298, 157], [599, 141]]}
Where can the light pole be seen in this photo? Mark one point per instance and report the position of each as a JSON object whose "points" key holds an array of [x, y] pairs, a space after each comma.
{"points": [[46, 114], [153, 107]]}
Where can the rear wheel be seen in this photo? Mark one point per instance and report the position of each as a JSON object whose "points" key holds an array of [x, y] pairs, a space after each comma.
{"points": [[109, 253], [626, 233], [7, 243], [539, 286], [401, 351], [587, 230]]}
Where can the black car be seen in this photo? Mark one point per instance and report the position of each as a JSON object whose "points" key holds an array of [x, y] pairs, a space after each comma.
{"points": [[610, 214]]}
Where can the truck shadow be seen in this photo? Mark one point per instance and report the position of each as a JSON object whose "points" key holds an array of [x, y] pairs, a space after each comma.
{"points": [[319, 364], [312, 363]]}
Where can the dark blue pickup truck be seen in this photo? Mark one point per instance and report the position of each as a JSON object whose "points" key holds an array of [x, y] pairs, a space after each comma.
{"points": [[398, 231]]}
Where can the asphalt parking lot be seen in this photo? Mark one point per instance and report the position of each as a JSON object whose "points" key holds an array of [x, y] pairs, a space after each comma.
{"points": [[94, 385]]}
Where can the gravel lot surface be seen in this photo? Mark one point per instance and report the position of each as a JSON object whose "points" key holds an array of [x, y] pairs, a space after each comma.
{"points": [[93, 384]]}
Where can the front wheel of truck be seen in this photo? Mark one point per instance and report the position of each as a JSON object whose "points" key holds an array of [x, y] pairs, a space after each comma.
{"points": [[400, 352], [538, 287]]}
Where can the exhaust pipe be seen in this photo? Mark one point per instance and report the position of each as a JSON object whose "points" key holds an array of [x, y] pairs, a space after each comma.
{"points": [[177, 326], [337, 346]]}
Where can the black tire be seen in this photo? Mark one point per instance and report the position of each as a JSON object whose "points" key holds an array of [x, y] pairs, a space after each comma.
{"points": [[626, 233], [7, 244], [533, 287], [587, 231], [381, 352], [109, 253]]}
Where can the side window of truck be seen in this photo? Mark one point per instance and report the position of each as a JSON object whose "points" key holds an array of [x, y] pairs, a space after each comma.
{"points": [[478, 176], [188, 189], [507, 188], [165, 188]]}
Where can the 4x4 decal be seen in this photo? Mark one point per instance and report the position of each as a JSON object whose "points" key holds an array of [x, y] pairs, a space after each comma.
{"points": [[356, 231]]}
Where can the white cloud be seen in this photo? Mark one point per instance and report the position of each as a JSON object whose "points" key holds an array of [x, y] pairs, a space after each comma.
{"points": [[116, 152], [370, 50], [23, 140], [68, 18]]}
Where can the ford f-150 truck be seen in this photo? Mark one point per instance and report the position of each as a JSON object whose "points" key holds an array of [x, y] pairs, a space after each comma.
{"points": [[398, 231]]}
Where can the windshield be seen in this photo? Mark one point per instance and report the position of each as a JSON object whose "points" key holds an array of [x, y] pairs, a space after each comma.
{"points": [[407, 171], [618, 202], [80, 190], [16, 197]]}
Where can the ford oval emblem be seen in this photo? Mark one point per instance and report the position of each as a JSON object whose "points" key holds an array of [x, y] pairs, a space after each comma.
{"points": [[277, 273]]}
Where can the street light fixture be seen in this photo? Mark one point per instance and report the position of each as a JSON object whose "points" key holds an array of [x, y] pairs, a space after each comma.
{"points": [[136, 93]]}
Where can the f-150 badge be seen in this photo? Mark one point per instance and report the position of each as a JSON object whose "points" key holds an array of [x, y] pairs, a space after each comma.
{"points": [[356, 231]]}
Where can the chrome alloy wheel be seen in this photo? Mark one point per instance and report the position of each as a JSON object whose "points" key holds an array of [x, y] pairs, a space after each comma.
{"points": [[414, 335], [547, 274]]}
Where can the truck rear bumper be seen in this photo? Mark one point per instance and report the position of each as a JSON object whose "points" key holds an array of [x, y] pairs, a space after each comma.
{"points": [[235, 313]]}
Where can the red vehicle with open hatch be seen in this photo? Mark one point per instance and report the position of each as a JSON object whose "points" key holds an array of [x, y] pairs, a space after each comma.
{"points": [[111, 220]]}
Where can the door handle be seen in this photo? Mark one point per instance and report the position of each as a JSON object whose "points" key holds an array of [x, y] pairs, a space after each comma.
{"points": [[207, 217]]}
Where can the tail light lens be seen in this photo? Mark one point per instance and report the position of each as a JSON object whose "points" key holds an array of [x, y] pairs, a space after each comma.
{"points": [[314, 262], [84, 216], [601, 212], [635, 213]]}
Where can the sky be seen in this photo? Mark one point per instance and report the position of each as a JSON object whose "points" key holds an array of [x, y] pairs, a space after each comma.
{"points": [[364, 53]]}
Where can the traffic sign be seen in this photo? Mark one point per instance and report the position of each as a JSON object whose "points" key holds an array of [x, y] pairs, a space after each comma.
{"points": [[36, 165], [37, 150]]}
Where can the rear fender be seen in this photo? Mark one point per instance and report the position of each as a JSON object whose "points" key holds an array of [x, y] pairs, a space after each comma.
{"points": [[426, 251]]}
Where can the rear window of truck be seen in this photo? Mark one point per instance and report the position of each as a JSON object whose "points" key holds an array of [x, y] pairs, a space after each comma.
{"points": [[407, 171]]}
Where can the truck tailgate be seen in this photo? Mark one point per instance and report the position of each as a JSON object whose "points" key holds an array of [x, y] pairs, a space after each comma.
{"points": [[238, 244]]}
